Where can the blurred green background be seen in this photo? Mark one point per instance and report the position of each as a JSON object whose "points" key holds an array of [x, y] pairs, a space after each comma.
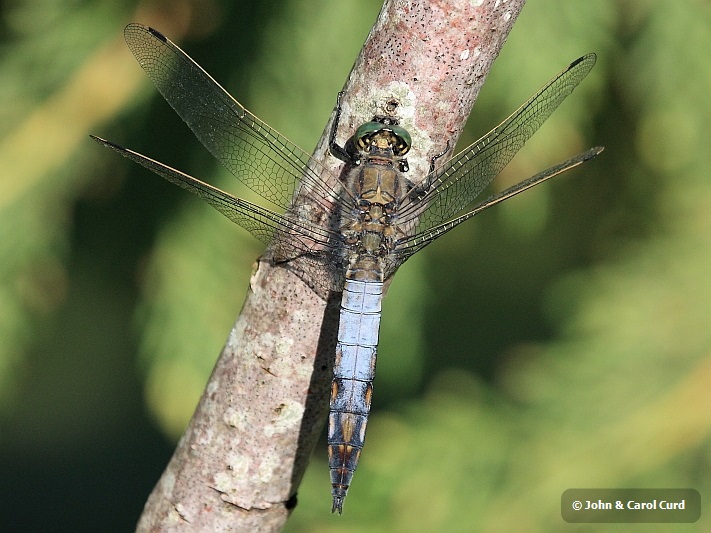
{"points": [[560, 340]]}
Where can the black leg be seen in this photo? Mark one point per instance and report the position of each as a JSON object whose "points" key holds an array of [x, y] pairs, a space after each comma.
{"points": [[333, 147], [435, 158], [418, 192]]}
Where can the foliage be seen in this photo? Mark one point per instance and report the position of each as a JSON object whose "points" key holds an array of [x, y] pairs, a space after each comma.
{"points": [[561, 340]]}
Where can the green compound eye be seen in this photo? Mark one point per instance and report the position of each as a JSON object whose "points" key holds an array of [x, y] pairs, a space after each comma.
{"points": [[367, 129], [404, 140]]}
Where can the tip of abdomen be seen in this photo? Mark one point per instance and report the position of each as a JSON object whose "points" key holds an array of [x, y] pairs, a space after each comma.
{"points": [[339, 494]]}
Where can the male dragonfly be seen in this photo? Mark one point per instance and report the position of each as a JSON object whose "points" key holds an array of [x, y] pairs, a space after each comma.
{"points": [[353, 232]]}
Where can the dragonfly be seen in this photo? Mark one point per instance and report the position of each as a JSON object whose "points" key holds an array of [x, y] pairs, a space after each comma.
{"points": [[345, 233]]}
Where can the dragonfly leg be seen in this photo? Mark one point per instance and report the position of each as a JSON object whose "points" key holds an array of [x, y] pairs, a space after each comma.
{"points": [[418, 191], [334, 148], [434, 160]]}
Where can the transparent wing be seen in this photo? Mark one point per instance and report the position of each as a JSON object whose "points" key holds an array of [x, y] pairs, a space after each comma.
{"points": [[410, 245], [314, 250], [264, 160], [455, 185]]}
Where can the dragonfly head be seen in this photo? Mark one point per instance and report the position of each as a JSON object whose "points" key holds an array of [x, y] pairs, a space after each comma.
{"points": [[383, 135]]}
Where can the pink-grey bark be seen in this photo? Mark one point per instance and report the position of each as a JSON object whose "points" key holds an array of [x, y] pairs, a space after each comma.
{"points": [[239, 464]]}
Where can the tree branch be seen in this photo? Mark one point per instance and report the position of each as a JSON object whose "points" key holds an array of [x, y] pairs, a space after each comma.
{"points": [[244, 453]]}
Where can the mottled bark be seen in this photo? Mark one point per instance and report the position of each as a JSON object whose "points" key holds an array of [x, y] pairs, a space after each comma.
{"points": [[239, 464]]}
